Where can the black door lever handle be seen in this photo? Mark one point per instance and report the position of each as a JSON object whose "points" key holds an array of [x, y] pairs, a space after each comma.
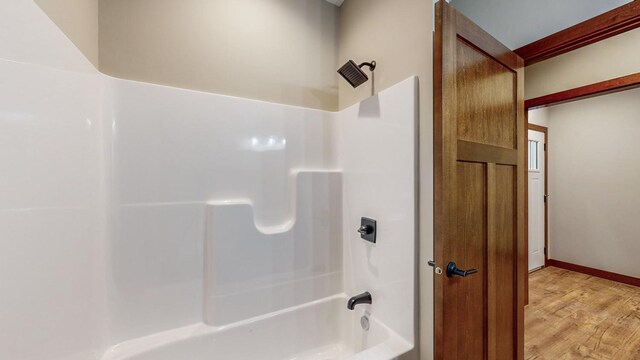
{"points": [[452, 270]]}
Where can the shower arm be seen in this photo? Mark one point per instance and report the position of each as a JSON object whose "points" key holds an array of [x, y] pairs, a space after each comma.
{"points": [[371, 65]]}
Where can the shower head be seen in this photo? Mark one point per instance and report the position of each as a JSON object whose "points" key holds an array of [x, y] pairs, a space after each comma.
{"points": [[353, 73]]}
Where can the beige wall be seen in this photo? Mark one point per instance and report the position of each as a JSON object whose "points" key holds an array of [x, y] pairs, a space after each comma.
{"points": [[604, 60], [280, 51], [594, 182], [593, 173], [539, 117], [398, 35], [78, 19]]}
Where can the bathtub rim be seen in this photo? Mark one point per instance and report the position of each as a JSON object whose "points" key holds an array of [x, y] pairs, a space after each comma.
{"points": [[390, 348]]}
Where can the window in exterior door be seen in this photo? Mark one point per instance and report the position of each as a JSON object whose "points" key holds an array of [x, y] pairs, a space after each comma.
{"points": [[533, 155]]}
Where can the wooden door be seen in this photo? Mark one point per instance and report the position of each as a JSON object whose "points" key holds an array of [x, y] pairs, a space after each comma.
{"points": [[536, 204], [479, 176]]}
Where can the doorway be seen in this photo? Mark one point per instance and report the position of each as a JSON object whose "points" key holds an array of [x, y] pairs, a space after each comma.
{"points": [[584, 301]]}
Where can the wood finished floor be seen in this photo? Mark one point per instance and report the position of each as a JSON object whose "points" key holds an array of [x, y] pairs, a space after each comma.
{"points": [[576, 316]]}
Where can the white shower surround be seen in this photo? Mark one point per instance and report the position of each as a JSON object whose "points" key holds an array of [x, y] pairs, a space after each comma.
{"points": [[108, 186], [275, 232]]}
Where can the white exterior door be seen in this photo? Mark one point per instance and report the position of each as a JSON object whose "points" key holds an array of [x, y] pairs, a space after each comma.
{"points": [[536, 199]]}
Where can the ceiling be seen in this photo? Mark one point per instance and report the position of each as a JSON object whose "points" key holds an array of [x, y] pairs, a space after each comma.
{"points": [[519, 22]]}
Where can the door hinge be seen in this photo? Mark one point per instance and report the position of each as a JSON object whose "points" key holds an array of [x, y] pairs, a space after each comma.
{"points": [[545, 251], [545, 147], [545, 198]]}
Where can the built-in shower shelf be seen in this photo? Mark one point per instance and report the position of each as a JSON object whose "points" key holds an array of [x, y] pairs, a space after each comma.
{"points": [[283, 265]]}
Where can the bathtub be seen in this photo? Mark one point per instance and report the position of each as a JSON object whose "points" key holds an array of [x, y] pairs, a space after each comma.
{"points": [[319, 330]]}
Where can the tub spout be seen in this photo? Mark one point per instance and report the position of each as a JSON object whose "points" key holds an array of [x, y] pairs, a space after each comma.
{"points": [[364, 298]]}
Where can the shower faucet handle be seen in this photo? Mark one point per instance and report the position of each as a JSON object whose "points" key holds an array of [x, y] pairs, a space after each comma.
{"points": [[365, 229], [368, 229]]}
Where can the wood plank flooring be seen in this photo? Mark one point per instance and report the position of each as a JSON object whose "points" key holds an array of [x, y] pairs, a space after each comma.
{"points": [[576, 316]]}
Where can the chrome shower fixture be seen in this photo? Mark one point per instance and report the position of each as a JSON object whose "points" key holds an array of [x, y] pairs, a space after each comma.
{"points": [[353, 73]]}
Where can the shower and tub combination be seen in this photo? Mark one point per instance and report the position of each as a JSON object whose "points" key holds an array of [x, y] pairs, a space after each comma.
{"points": [[156, 223], [299, 237]]}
